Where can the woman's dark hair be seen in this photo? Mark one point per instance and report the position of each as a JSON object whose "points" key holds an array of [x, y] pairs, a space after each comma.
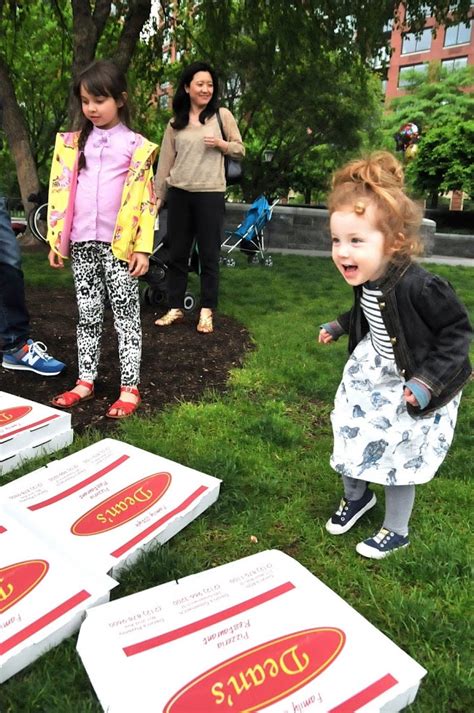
{"points": [[181, 102], [102, 78]]}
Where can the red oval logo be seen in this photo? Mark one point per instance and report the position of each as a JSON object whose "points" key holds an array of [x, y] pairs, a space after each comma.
{"points": [[17, 580], [123, 506], [261, 676], [9, 415]]}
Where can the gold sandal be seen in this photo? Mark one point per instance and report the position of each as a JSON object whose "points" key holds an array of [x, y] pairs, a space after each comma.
{"points": [[173, 316], [205, 324]]}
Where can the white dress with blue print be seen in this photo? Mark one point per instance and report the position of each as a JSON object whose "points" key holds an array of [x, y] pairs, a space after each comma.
{"points": [[375, 438]]}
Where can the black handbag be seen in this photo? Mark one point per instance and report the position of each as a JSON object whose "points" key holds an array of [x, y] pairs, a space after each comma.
{"points": [[232, 168]]}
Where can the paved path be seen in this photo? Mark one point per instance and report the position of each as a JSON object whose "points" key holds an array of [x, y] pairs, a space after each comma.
{"points": [[436, 259]]}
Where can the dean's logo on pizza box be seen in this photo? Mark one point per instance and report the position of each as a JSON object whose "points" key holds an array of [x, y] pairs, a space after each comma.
{"points": [[9, 415], [17, 580], [125, 505], [263, 675]]}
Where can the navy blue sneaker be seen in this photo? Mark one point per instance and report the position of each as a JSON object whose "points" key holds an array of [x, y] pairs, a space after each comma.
{"points": [[383, 543], [349, 511], [33, 356]]}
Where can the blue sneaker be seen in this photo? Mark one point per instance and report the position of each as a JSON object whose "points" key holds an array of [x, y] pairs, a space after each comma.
{"points": [[349, 511], [33, 356], [383, 543]]}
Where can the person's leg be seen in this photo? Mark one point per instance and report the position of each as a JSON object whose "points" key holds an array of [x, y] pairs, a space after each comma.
{"points": [[124, 298], [89, 283], [14, 317], [354, 488], [180, 238], [208, 217], [399, 501]]}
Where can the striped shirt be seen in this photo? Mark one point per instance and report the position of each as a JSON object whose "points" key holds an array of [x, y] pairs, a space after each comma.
{"points": [[378, 333]]}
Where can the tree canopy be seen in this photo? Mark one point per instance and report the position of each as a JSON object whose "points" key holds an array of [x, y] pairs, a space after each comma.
{"points": [[296, 74], [442, 106]]}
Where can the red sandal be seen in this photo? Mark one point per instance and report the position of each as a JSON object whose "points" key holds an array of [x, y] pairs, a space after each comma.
{"points": [[70, 398], [128, 407]]}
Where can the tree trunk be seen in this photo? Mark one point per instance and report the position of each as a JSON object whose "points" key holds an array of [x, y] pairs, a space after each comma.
{"points": [[307, 196], [433, 199], [16, 132]]}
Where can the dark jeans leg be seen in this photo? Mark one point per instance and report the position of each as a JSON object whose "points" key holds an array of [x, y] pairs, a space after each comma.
{"points": [[180, 238], [14, 317], [208, 216]]}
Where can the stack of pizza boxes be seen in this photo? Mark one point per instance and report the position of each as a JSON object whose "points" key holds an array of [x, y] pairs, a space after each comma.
{"points": [[97, 509], [29, 429]]}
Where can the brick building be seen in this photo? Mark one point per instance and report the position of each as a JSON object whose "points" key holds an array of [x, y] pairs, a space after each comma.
{"points": [[452, 46]]}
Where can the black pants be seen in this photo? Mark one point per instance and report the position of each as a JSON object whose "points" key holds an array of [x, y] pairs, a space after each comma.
{"points": [[14, 318], [200, 216]]}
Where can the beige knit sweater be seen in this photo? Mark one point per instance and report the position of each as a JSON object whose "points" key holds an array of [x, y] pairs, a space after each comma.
{"points": [[185, 161]]}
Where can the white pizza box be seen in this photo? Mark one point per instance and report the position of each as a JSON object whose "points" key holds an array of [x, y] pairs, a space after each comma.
{"points": [[25, 424], [104, 504], [47, 444], [261, 633], [43, 596]]}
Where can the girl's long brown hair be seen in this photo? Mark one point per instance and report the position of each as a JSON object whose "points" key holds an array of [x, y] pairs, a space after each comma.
{"points": [[102, 78]]}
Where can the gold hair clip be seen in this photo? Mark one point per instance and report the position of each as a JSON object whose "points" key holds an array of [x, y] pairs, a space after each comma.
{"points": [[359, 208]]}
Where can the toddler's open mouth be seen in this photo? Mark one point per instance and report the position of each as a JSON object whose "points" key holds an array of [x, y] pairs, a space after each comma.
{"points": [[349, 269]]}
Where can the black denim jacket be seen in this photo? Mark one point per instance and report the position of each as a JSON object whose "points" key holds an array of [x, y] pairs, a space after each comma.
{"points": [[428, 326]]}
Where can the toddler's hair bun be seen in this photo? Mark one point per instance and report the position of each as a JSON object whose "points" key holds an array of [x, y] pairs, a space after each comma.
{"points": [[378, 171]]}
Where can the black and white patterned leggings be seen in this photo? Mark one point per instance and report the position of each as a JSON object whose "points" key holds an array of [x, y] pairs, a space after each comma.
{"points": [[98, 273]]}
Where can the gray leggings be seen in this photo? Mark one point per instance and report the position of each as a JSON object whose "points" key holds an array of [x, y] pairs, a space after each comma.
{"points": [[399, 500]]}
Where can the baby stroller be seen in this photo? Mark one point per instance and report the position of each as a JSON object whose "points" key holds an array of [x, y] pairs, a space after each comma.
{"points": [[156, 293], [248, 236]]}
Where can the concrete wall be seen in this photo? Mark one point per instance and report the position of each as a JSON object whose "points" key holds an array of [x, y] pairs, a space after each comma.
{"points": [[297, 228]]}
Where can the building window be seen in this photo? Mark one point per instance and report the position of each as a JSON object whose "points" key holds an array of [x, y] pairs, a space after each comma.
{"points": [[457, 35], [405, 74], [416, 43], [451, 64]]}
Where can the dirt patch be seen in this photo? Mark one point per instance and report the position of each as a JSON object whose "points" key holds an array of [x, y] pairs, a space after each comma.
{"points": [[178, 363]]}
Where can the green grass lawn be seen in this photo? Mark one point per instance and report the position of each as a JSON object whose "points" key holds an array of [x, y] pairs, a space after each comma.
{"points": [[269, 440]]}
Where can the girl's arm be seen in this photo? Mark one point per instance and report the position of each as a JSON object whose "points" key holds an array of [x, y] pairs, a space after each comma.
{"points": [[55, 260], [138, 264], [447, 318]]}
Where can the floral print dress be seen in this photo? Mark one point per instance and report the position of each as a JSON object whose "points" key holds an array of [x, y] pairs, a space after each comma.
{"points": [[375, 438]]}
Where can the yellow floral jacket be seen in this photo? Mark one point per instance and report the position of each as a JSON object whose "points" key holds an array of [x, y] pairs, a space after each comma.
{"points": [[136, 217]]}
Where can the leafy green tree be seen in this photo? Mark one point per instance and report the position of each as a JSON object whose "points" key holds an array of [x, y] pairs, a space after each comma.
{"points": [[43, 45], [442, 106]]}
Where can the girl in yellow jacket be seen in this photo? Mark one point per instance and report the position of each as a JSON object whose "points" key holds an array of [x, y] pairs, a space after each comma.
{"points": [[101, 213]]}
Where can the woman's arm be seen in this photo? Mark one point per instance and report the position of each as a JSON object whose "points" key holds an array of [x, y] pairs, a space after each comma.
{"points": [[235, 147], [165, 163]]}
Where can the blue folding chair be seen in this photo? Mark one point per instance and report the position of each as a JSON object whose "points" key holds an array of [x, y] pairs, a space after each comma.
{"points": [[248, 237]]}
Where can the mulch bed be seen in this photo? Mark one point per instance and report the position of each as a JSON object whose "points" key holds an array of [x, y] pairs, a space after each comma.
{"points": [[178, 363]]}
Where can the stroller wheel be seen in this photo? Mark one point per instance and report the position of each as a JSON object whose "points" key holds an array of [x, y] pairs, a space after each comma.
{"points": [[268, 262], [255, 260], [155, 296], [189, 302], [145, 296], [229, 262]]}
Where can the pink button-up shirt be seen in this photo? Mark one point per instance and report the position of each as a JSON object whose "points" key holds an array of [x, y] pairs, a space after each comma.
{"points": [[108, 153]]}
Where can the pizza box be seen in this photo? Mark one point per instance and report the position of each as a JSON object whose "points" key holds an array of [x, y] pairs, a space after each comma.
{"points": [[104, 504], [43, 447], [261, 633], [43, 596], [24, 424]]}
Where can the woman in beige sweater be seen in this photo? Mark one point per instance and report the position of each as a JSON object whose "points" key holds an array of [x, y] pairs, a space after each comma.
{"points": [[190, 177]]}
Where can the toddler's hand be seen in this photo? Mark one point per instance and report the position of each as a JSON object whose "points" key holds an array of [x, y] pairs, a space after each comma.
{"points": [[55, 260], [324, 337], [410, 397], [138, 264]]}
